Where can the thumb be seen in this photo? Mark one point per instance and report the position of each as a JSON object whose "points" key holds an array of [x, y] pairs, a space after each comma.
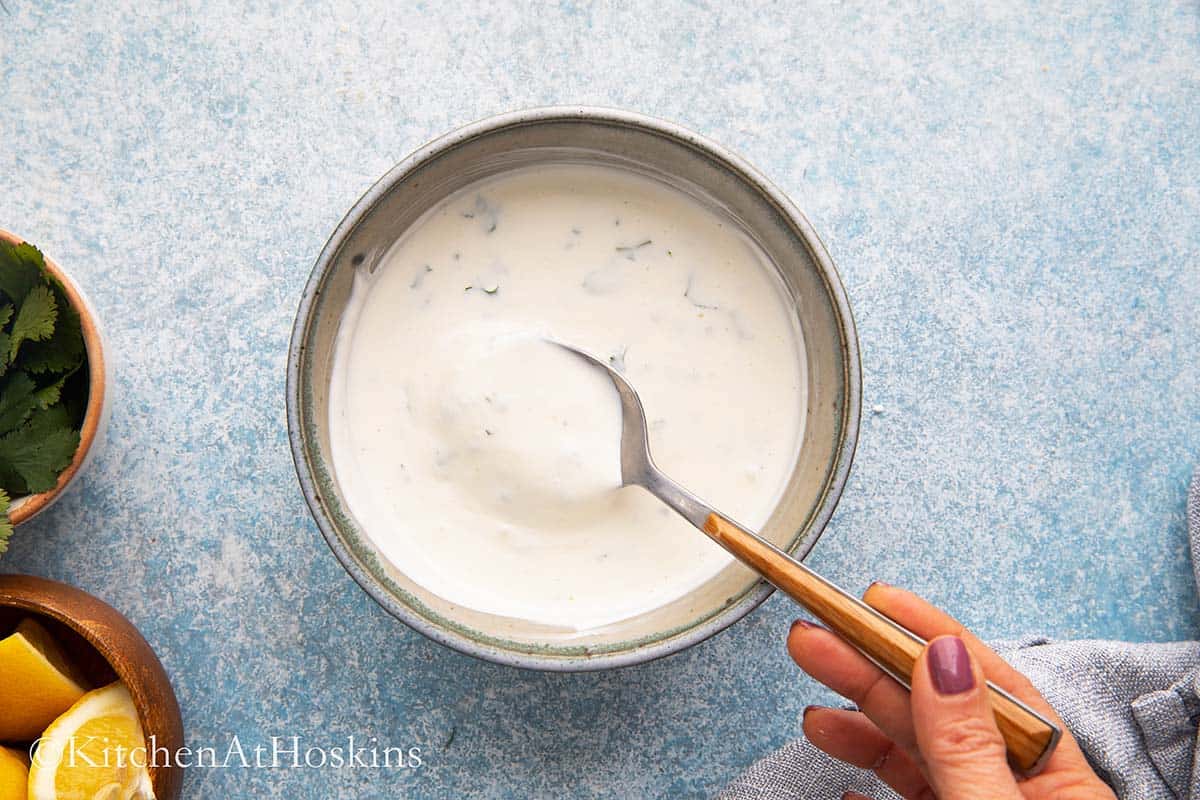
{"points": [[962, 749]]}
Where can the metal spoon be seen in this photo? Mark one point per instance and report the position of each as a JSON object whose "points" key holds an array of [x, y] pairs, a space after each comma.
{"points": [[1030, 737]]}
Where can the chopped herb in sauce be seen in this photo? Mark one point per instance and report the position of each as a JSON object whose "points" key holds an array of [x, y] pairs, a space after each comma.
{"points": [[485, 212], [618, 360], [691, 299], [601, 281], [630, 250], [419, 278]]}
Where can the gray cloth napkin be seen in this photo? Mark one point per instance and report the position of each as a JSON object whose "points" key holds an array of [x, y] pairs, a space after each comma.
{"points": [[1133, 707]]}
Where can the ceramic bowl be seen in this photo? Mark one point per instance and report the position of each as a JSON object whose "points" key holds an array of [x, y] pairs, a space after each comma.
{"points": [[26, 508], [106, 647], [676, 156]]}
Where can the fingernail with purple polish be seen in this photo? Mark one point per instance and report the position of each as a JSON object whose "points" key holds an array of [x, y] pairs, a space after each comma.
{"points": [[801, 623], [950, 666]]}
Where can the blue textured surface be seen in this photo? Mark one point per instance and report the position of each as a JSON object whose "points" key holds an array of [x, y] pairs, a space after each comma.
{"points": [[1012, 195]]}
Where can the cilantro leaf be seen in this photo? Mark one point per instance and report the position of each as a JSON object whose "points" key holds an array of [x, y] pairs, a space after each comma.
{"points": [[63, 351], [6, 527], [5, 315], [50, 394], [35, 320], [17, 401], [12, 480], [39, 450], [21, 268]]}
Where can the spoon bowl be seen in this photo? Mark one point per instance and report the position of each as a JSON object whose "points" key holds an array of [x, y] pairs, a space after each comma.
{"points": [[637, 465]]}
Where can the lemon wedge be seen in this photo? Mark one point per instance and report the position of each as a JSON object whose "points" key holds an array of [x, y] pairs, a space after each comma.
{"points": [[39, 683], [14, 774], [95, 751]]}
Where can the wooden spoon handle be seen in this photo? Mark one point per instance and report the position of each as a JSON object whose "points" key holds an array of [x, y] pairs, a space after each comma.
{"points": [[1030, 737]]}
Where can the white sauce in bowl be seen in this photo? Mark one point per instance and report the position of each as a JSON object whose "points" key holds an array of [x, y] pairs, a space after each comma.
{"points": [[484, 462]]}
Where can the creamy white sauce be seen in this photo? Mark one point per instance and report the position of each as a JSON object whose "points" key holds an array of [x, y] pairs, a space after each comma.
{"points": [[483, 462]]}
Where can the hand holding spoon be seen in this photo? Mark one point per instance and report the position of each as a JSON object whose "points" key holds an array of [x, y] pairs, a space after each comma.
{"points": [[1029, 736]]}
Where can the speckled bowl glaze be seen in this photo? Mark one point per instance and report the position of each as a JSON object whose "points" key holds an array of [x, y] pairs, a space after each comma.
{"points": [[26, 508], [661, 150]]}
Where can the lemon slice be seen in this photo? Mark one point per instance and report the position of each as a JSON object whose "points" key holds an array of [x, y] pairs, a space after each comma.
{"points": [[14, 774], [39, 683], [95, 751]]}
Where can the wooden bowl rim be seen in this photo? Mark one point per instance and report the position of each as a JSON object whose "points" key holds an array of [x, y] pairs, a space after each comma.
{"points": [[31, 505], [56, 600]]}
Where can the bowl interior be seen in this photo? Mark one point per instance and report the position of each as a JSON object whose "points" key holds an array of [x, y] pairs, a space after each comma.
{"points": [[671, 155], [92, 666]]}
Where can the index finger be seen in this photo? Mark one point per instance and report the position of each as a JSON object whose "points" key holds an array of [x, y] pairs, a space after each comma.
{"points": [[929, 622]]}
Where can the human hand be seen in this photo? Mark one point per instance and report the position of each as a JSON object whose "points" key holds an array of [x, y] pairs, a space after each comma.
{"points": [[941, 740]]}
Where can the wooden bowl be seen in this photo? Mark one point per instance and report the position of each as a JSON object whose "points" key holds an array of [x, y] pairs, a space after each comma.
{"points": [[27, 507], [106, 647]]}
